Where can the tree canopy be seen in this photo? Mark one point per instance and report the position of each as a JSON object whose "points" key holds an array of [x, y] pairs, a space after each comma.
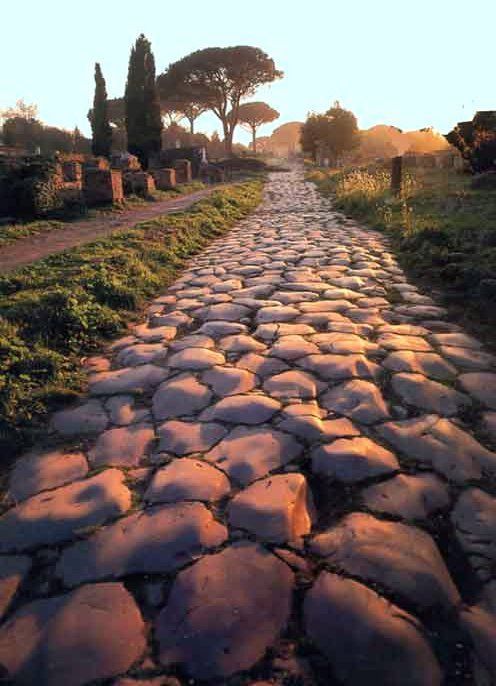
{"points": [[253, 114], [476, 140], [141, 102], [218, 79], [100, 125], [330, 134]]}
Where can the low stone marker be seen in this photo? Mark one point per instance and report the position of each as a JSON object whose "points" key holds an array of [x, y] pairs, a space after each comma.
{"points": [[183, 171], [165, 179], [102, 186]]}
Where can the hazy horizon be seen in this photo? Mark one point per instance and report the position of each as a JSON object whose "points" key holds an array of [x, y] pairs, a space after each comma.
{"points": [[409, 67]]}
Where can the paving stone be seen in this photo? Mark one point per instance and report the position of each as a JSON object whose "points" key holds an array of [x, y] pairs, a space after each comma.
{"points": [[292, 348], [360, 400], [128, 380], [474, 520], [342, 343], [271, 332], [293, 384], [469, 359], [305, 421], [182, 395], [365, 638], [195, 359], [57, 516], [438, 443], [260, 365], [155, 334], [225, 611], [489, 423], [417, 390], [174, 319], [141, 353], [96, 632], [403, 329], [227, 312], [480, 385], [337, 367], [427, 364], [229, 380], [184, 438], [186, 479], [44, 470], [282, 313], [96, 364], [122, 410], [392, 341], [217, 329], [278, 509], [401, 558], [242, 409], [195, 340], [125, 446], [479, 621], [89, 418], [247, 453], [13, 570], [422, 311], [351, 460], [240, 343], [339, 305], [458, 340], [409, 497], [156, 540], [292, 297]]}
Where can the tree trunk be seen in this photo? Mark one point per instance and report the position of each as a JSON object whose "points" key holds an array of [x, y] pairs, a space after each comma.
{"points": [[254, 140], [191, 125]]}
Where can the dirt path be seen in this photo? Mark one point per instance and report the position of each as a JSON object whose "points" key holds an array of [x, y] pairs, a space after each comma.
{"points": [[285, 476], [32, 248]]}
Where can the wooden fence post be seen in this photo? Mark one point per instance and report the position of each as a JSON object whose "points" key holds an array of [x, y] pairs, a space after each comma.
{"points": [[396, 174]]}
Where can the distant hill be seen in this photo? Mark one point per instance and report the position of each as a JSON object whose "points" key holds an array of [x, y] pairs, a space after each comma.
{"points": [[386, 141]]}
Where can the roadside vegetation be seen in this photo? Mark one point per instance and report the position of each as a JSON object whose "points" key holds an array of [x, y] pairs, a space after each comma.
{"points": [[442, 228], [64, 307]]}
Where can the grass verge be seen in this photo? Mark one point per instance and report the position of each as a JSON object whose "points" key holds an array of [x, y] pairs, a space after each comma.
{"points": [[9, 233], [63, 307], [443, 231]]}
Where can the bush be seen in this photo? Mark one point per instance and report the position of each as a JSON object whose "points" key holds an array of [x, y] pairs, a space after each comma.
{"points": [[30, 189]]}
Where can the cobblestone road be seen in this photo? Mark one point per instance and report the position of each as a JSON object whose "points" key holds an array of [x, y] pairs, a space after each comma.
{"points": [[284, 476]]}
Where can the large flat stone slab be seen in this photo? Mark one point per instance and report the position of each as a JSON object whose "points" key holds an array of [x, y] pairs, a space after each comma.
{"points": [[224, 612], [124, 446], [402, 558], [366, 639], [428, 395], [474, 520], [431, 365], [351, 460], [83, 420], [247, 453], [187, 479], [95, 632], [437, 442], [57, 516], [13, 570], [242, 409], [182, 395], [338, 367], [41, 471], [278, 509], [409, 497], [359, 400], [184, 438], [159, 539], [482, 386], [128, 380]]}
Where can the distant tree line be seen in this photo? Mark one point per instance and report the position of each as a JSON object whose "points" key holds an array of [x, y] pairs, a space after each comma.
{"points": [[21, 128]]}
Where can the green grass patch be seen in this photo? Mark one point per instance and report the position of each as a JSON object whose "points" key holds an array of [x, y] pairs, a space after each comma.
{"points": [[443, 230], [9, 233], [61, 308]]}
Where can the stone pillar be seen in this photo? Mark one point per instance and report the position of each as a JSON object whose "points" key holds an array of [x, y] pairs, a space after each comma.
{"points": [[142, 183], [183, 171], [165, 179], [72, 171], [102, 186]]}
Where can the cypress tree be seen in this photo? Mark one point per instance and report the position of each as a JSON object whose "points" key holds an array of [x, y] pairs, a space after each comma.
{"points": [[100, 125], [142, 104]]}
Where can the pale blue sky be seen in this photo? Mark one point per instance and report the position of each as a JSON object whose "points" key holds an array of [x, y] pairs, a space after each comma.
{"points": [[407, 63]]}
